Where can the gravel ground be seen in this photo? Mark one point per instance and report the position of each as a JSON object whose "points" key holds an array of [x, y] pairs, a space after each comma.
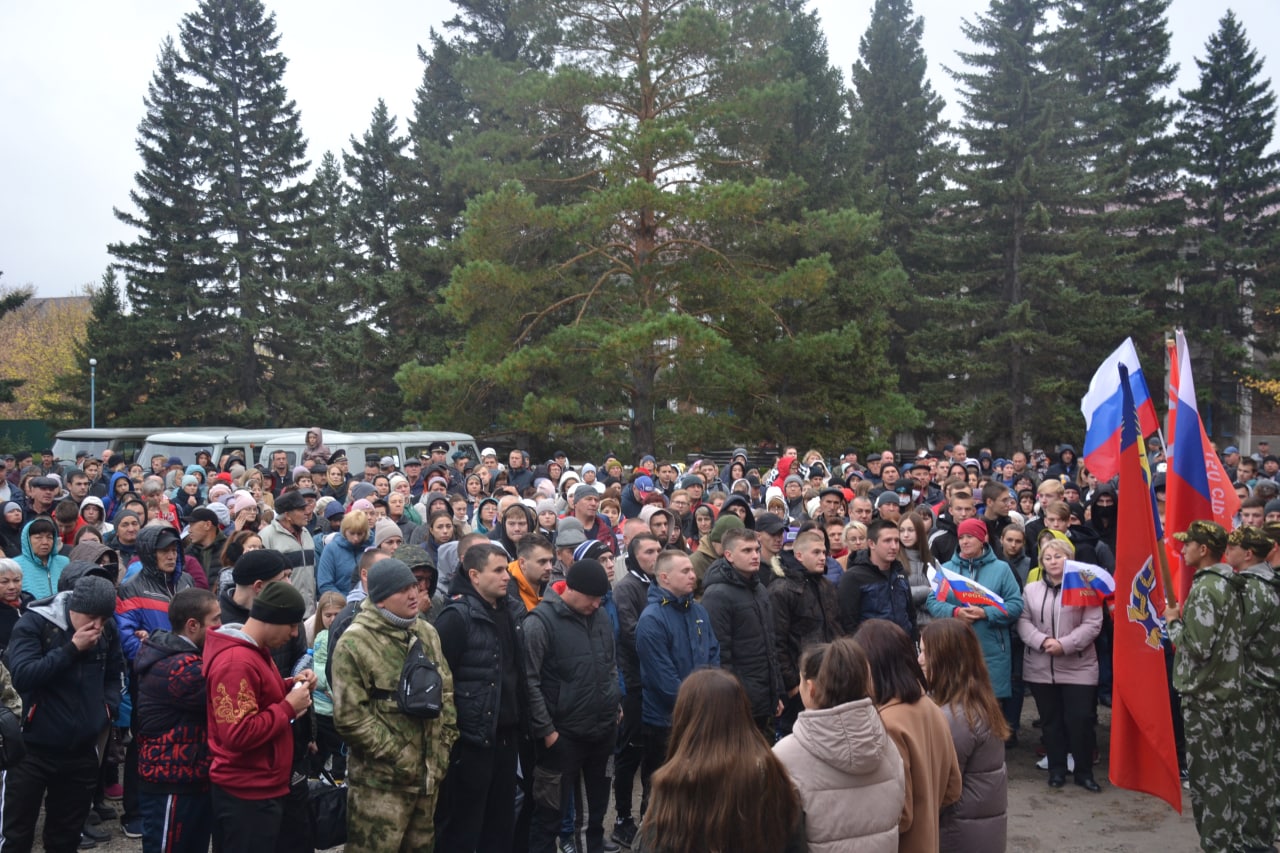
{"points": [[1065, 820]]}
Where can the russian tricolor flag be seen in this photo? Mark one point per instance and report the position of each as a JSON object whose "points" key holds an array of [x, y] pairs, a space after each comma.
{"points": [[1196, 484], [1085, 585], [1103, 410], [966, 591]]}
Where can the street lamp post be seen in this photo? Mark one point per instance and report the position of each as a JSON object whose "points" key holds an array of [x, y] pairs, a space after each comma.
{"points": [[93, 393]]}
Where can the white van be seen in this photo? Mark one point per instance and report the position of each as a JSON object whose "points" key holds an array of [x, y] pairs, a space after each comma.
{"points": [[220, 443], [359, 445], [123, 442]]}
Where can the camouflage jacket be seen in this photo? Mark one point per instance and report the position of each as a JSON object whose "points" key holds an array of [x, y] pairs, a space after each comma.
{"points": [[388, 750], [1260, 599], [1209, 662]]}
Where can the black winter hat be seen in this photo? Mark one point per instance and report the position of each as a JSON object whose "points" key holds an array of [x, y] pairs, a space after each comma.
{"points": [[278, 604], [261, 565], [589, 578]]}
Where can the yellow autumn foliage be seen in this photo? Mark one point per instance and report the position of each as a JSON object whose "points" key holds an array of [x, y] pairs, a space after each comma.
{"points": [[37, 345]]}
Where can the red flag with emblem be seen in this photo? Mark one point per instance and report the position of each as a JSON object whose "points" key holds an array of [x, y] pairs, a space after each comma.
{"points": [[1144, 756]]}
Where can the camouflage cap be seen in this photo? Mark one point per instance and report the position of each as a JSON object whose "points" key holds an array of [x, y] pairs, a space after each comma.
{"points": [[1205, 533], [1251, 539], [1272, 531]]}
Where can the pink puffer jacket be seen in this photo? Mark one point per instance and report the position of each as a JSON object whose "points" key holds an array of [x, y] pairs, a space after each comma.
{"points": [[1044, 616]]}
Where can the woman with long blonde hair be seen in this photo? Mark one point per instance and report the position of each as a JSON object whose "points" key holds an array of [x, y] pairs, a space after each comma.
{"points": [[721, 790], [951, 658]]}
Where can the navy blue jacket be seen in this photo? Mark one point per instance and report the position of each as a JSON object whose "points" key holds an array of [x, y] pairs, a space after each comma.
{"points": [[865, 593], [673, 638]]}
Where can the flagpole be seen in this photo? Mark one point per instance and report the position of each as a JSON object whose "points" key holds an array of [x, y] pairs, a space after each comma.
{"points": [[1171, 355], [1170, 598]]}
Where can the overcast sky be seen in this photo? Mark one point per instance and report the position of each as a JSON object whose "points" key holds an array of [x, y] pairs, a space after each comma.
{"points": [[73, 76]]}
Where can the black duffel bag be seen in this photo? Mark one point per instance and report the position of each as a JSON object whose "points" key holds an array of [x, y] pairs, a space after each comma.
{"points": [[328, 812]]}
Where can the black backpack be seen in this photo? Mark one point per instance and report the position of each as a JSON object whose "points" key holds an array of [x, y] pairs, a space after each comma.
{"points": [[12, 747], [421, 692]]}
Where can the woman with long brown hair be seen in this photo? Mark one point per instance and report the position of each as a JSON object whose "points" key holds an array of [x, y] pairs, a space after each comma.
{"points": [[951, 658], [918, 728], [917, 557], [839, 749], [721, 790]]}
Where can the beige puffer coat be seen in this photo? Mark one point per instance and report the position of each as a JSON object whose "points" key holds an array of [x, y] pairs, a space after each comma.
{"points": [[839, 756]]}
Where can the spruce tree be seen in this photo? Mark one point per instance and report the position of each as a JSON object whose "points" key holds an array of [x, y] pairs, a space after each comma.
{"points": [[395, 310], [251, 158], [846, 325], [1229, 288], [1012, 319], [898, 123], [467, 136], [170, 273], [1116, 56], [333, 380]]}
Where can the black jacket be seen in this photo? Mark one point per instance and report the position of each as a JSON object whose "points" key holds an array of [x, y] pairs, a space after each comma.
{"points": [[630, 597], [9, 617], [806, 610], [573, 679], [469, 637], [169, 715], [69, 696], [742, 620], [865, 593]]}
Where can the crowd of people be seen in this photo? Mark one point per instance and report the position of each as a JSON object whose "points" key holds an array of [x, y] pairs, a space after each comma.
{"points": [[473, 646]]}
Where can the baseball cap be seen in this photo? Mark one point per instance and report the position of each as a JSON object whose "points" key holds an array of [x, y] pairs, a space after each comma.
{"points": [[1251, 539]]}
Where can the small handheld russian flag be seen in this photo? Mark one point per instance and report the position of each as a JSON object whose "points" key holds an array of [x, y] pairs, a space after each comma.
{"points": [[947, 583], [1085, 585]]}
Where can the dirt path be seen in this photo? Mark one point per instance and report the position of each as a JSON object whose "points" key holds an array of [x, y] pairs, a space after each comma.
{"points": [[1072, 820], [1065, 820]]}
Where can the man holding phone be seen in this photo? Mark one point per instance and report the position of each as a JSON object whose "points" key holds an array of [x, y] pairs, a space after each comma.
{"points": [[250, 712]]}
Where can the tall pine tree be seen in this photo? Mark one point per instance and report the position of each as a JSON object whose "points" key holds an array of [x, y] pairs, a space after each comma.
{"points": [[1231, 236], [394, 308], [171, 279], [1013, 317], [614, 306], [1115, 53], [898, 123], [251, 159]]}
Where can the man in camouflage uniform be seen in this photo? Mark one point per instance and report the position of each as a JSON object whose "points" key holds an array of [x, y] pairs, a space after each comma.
{"points": [[1207, 673], [396, 761], [1247, 551]]}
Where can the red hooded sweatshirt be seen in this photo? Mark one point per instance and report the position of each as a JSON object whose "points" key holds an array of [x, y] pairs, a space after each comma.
{"points": [[250, 739]]}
